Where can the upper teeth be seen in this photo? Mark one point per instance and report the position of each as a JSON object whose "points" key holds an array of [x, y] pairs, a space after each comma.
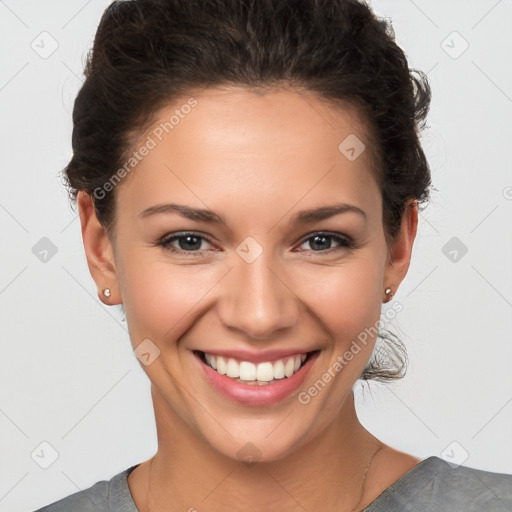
{"points": [[267, 371]]}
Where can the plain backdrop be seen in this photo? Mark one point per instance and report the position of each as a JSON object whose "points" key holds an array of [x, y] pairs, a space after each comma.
{"points": [[72, 395]]}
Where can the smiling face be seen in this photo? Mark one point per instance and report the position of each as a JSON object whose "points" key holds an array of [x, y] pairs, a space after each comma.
{"points": [[287, 259]]}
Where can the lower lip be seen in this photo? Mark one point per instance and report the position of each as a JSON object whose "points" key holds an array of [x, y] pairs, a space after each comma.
{"points": [[255, 394]]}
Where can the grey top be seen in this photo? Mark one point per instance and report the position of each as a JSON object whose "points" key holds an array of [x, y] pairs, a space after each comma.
{"points": [[432, 485]]}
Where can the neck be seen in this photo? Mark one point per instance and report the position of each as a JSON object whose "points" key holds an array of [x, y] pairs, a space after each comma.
{"points": [[187, 474]]}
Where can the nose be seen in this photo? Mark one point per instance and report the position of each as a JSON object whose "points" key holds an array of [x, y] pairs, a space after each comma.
{"points": [[257, 300]]}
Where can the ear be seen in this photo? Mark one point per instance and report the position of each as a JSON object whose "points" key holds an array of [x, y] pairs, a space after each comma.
{"points": [[98, 250], [399, 257]]}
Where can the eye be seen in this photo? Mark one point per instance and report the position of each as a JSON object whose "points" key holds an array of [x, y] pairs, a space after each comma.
{"points": [[322, 241], [188, 243]]}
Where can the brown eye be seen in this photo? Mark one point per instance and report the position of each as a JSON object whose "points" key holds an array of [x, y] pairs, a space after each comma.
{"points": [[187, 243], [321, 242]]}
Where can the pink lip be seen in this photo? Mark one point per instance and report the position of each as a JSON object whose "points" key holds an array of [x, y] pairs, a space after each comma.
{"points": [[255, 395], [257, 357]]}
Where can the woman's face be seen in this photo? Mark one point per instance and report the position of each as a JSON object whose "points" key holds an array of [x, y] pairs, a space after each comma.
{"points": [[260, 278]]}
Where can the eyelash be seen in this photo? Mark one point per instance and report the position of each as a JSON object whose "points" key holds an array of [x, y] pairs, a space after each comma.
{"points": [[344, 241]]}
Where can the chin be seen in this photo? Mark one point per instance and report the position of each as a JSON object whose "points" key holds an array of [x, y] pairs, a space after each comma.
{"points": [[258, 444]]}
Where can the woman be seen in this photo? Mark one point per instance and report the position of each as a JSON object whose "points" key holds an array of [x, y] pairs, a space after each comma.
{"points": [[248, 176]]}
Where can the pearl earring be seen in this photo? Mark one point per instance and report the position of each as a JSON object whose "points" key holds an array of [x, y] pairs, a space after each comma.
{"points": [[389, 292], [106, 292]]}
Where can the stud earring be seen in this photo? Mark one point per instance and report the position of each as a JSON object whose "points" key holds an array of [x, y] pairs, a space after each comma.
{"points": [[389, 292], [106, 292]]}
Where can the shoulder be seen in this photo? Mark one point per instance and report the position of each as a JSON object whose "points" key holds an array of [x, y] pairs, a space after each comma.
{"points": [[104, 496], [434, 484], [468, 488]]}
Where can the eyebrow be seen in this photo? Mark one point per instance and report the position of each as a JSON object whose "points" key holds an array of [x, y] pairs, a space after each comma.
{"points": [[325, 212], [204, 215]]}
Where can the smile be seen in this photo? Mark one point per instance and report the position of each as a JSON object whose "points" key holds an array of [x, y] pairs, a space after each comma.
{"points": [[251, 373], [264, 381]]}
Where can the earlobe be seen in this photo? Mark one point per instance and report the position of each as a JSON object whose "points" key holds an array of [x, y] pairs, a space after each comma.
{"points": [[98, 251], [401, 247]]}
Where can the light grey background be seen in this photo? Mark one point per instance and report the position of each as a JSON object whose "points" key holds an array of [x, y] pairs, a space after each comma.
{"points": [[68, 376]]}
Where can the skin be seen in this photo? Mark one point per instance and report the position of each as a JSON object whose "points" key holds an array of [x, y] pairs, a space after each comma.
{"points": [[256, 160]]}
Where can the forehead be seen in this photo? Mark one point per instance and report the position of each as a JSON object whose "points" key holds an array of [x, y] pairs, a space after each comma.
{"points": [[263, 147], [233, 116]]}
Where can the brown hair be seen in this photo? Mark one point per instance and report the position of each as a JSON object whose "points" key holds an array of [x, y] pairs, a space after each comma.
{"points": [[147, 53]]}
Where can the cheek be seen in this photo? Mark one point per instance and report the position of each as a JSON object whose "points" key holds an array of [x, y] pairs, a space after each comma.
{"points": [[160, 298], [347, 299]]}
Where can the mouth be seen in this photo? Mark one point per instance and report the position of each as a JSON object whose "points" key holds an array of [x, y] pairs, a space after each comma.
{"points": [[262, 374], [261, 382]]}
